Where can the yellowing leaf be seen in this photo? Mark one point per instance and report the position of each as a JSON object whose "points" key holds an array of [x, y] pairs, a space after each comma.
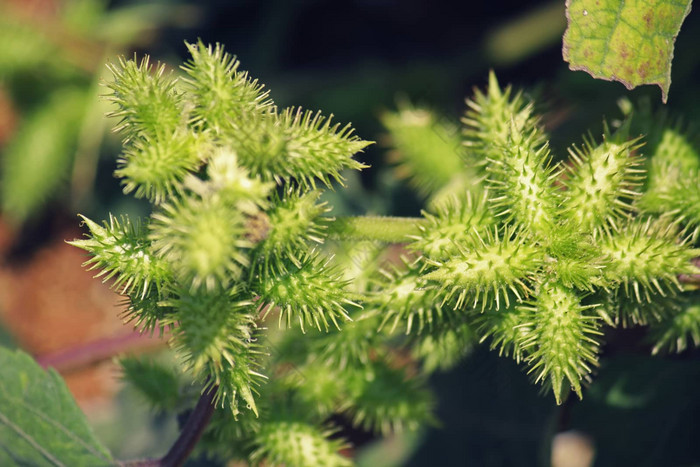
{"points": [[630, 41]]}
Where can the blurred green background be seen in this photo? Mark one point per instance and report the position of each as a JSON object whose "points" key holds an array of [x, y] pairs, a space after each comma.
{"points": [[354, 59]]}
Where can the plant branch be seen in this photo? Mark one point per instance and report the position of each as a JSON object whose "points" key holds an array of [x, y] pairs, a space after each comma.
{"points": [[383, 229], [189, 436], [84, 355]]}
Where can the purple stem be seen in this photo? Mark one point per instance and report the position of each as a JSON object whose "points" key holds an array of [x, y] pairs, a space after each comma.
{"points": [[103, 349], [190, 434]]}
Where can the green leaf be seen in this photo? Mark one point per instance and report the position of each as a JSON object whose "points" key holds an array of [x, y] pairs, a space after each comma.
{"points": [[40, 423], [630, 41]]}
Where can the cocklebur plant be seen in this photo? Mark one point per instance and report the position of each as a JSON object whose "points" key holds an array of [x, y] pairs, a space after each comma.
{"points": [[233, 245], [553, 252], [288, 316]]}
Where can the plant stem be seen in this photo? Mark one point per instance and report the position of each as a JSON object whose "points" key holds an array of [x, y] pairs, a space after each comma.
{"points": [[84, 355], [190, 434], [383, 229]]}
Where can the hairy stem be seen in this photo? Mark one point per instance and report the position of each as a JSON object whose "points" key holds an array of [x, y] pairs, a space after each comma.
{"points": [[383, 229], [190, 434]]}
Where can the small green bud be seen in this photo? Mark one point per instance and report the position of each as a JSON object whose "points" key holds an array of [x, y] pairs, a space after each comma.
{"points": [[121, 250], [155, 168], [385, 399], [452, 226], [203, 239], [674, 179], [521, 182], [493, 117], [506, 329], [157, 382], [675, 151], [680, 332], [215, 336], [617, 308], [223, 96], [405, 296], [486, 273], [234, 183], [601, 183], [355, 345], [428, 149], [574, 260], [149, 105], [561, 342], [297, 145], [295, 221], [645, 258], [310, 292], [148, 312], [298, 444], [445, 349], [321, 387]]}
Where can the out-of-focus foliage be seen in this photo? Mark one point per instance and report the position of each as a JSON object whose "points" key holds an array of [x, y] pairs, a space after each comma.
{"points": [[51, 60]]}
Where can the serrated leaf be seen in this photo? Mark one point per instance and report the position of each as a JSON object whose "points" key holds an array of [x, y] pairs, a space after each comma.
{"points": [[630, 41], [40, 423]]}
